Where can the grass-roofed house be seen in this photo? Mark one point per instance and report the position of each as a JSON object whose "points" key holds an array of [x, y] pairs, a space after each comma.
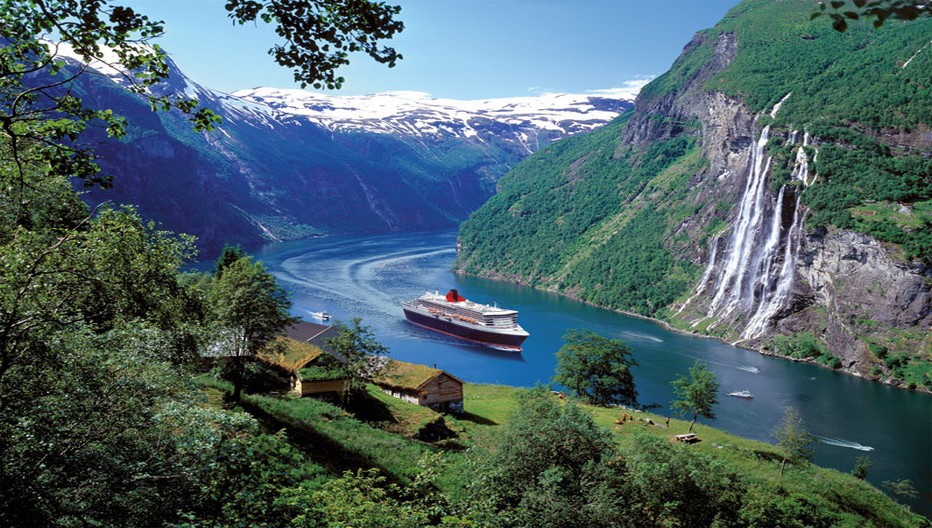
{"points": [[422, 385], [300, 353]]}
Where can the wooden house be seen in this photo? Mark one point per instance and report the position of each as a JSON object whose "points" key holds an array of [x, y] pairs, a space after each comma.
{"points": [[301, 355], [422, 385]]}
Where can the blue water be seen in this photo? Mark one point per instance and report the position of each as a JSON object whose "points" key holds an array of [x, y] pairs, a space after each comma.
{"points": [[368, 277]]}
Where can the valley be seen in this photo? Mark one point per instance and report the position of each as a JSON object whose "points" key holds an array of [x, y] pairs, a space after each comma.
{"points": [[369, 164]]}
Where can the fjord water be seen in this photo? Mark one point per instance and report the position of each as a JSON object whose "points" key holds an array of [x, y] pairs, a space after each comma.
{"points": [[368, 277]]}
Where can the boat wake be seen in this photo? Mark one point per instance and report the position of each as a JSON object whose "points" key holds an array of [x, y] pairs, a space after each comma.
{"points": [[363, 285], [844, 443], [643, 337], [748, 368]]}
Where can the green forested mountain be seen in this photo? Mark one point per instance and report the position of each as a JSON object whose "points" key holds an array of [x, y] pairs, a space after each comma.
{"points": [[773, 188]]}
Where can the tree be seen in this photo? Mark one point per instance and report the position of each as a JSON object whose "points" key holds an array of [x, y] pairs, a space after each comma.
{"points": [[360, 353], [901, 489], [551, 466], [100, 427], [250, 309], [596, 368], [42, 115], [793, 438], [319, 34], [676, 486], [862, 465], [228, 255], [879, 10], [697, 393], [364, 499]]}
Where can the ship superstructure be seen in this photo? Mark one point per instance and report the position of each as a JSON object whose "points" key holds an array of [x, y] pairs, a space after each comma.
{"points": [[453, 315]]}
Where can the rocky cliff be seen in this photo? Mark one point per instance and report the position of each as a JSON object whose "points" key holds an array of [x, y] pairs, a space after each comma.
{"points": [[772, 189]]}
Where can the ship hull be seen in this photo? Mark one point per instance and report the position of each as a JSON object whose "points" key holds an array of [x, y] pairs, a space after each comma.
{"points": [[486, 337]]}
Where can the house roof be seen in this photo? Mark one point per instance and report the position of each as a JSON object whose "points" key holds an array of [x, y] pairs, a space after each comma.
{"points": [[411, 376], [316, 334], [290, 354]]}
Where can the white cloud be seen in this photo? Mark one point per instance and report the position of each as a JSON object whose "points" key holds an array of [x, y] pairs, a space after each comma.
{"points": [[628, 89]]}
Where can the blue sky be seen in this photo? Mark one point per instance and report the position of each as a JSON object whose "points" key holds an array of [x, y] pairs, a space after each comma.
{"points": [[461, 49]]}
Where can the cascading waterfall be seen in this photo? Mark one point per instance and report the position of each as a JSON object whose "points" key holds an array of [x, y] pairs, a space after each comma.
{"points": [[775, 290], [755, 276], [741, 245], [704, 281]]}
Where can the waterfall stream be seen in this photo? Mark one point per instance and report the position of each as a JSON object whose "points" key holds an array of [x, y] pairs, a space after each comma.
{"points": [[751, 279]]}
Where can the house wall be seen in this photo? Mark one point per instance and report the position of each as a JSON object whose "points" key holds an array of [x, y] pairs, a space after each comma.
{"points": [[317, 387], [409, 397], [442, 392]]}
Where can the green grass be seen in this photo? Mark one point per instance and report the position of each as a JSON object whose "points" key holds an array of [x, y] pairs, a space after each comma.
{"points": [[888, 212], [757, 462], [290, 354], [403, 418], [320, 373], [384, 439], [392, 453]]}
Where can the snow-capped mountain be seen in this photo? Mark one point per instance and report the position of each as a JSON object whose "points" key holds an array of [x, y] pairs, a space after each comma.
{"points": [[420, 114], [288, 164]]}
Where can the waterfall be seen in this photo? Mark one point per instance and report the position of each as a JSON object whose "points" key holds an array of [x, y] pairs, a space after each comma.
{"points": [[704, 281], [775, 292], [741, 248], [751, 280]]}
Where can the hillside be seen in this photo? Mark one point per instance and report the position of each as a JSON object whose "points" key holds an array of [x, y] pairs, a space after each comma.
{"points": [[772, 189], [290, 164], [665, 479]]}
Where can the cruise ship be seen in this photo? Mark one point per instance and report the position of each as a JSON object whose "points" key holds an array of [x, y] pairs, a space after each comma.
{"points": [[455, 316]]}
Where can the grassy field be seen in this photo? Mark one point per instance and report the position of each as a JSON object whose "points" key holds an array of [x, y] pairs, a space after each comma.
{"points": [[380, 431]]}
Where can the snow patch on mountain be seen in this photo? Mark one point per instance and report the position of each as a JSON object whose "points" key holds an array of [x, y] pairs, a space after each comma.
{"points": [[420, 114], [528, 122]]}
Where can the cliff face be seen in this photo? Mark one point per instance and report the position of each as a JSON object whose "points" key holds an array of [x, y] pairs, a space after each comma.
{"points": [[746, 197], [856, 295], [860, 298]]}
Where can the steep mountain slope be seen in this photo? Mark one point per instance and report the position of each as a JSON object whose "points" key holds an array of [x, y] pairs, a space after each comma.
{"points": [[288, 164], [774, 188]]}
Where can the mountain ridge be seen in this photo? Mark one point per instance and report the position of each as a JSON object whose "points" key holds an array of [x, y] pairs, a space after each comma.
{"points": [[275, 170]]}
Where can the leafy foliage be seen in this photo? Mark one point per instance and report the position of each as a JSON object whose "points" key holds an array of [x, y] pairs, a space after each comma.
{"points": [[360, 353], [228, 255], [596, 368], [803, 346], [545, 468], [250, 309], [697, 393], [319, 35], [879, 10], [102, 426], [363, 499], [862, 465], [793, 439], [673, 483]]}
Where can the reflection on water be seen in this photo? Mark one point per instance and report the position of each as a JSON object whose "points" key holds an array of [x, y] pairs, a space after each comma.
{"points": [[368, 277]]}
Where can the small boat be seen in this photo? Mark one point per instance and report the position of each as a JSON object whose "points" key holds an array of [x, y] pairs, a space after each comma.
{"points": [[741, 394], [323, 316]]}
